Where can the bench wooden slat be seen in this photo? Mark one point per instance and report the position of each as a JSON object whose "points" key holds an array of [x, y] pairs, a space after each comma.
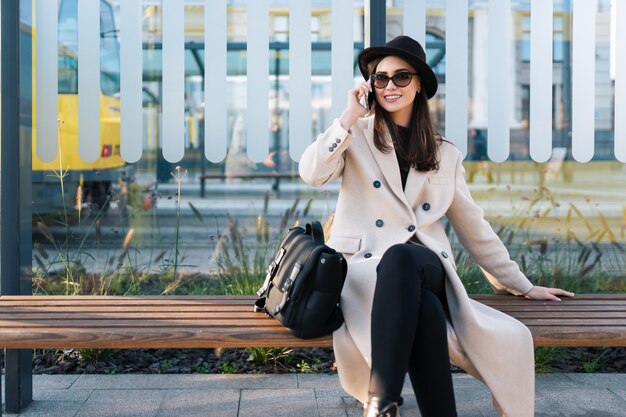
{"points": [[132, 322], [577, 336], [595, 296], [119, 300], [556, 315], [214, 321], [123, 315], [138, 308], [113, 338], [250, 323], [565, 307], [187, 299], [236, 318], [219, 309]]}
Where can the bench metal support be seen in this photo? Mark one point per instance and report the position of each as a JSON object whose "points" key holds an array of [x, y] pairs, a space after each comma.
{"points": [[15, 196]]}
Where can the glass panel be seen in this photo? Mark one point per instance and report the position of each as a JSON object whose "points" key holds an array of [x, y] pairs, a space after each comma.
{"points": [[109, 51], [118, 228], [563, 220], [89, 76], [46, 79]]}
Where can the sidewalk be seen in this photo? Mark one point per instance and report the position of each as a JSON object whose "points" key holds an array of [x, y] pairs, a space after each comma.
{"points": [[293, 395]]}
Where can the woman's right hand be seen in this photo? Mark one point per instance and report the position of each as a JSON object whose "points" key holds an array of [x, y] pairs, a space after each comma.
{"points": [[355, 109]]}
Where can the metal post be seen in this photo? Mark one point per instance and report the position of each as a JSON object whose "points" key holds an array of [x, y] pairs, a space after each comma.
{"points": [[275, 122], [16, 232], [375, 22], [566, 128]]}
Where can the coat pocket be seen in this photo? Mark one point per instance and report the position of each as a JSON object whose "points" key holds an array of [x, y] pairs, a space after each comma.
{"points": [[345, 245]]}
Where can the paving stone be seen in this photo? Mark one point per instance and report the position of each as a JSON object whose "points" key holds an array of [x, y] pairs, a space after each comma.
{"points": [[122, 403], [326, 381], [545, 407], [619, 391], [461, 381], [473, 401], [49, 409], [354, 412], [188, 381], [558, 395], [599, 380], [351, 402], [554, 382], [588, 403], [75, 395], [267, 403], [332, 412], [51, 381], [330, 398], [200, 403]]}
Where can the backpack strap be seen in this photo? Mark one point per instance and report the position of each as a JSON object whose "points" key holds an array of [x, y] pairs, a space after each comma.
{"points": [[316, 231]]}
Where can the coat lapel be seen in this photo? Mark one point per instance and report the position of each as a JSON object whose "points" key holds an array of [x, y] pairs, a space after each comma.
{"points": [[387, 163], [414, 183]]}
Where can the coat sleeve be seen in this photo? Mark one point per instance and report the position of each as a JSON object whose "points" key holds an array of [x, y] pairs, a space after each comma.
{"points": [[478, 238], [323, 160]]}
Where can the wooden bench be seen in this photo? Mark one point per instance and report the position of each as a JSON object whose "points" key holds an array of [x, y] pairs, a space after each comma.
{"points": [[38, 322], [222, 321]]}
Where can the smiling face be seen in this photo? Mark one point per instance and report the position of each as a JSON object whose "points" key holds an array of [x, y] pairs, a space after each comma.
{"points": [[398, 101]]}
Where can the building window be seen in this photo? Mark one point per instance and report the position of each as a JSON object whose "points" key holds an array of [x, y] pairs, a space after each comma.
{"points": [[557, 39], [280, 28]]}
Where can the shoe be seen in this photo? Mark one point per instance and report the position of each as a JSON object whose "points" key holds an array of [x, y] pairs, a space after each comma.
{"points": [[377, 407]]}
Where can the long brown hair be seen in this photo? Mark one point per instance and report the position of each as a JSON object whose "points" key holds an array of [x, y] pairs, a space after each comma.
{"points": [[421, 150]]}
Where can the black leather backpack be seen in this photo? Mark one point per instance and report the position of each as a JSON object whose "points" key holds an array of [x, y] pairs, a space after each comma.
{"points": [[303, 284]]}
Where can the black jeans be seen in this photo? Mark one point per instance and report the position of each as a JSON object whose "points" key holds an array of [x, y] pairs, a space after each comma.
{"points": [[409, 330]]}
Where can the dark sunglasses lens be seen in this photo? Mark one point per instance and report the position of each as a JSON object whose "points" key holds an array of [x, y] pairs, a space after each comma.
{"points": [[402, 79], [380, 80]]}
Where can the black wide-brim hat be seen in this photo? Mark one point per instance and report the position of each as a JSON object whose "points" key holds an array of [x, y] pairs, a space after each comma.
{"points": [[408, 49]]}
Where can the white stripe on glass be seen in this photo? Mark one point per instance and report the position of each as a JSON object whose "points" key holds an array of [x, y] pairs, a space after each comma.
{"points": [[299, 77], [89, 79], [456, 73], [47, 79], [415, 20], [540, 80], [499, 95], [620, 81], [173, 120], [215, 72], [131, 113], [583, 79], [342, 54], [258, 81]]}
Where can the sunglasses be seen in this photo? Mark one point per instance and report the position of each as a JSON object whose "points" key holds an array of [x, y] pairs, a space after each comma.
{"points": [[400, 79]]}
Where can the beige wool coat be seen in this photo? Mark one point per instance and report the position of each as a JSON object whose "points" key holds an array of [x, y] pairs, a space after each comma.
{"points": [[373, 213]]}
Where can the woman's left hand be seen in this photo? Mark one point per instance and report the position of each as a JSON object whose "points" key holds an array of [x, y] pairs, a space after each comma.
{"points": [[545, 293]]}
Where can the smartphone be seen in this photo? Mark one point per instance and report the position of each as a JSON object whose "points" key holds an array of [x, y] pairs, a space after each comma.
{"points": [[370, 100]]}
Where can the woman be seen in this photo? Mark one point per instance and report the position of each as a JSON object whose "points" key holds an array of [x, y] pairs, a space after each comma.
{"points": [[405, 307]]}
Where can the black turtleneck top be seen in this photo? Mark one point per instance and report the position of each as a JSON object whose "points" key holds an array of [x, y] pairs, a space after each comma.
{"points": [[401, 142]]}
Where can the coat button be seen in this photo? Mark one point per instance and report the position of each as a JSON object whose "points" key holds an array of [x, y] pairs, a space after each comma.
{"points": [[379, 223], [368, 255], [376, 184], [426, 206], [334, 145], [411, 228], [331, 149], [338, 140], [444, 254]]}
